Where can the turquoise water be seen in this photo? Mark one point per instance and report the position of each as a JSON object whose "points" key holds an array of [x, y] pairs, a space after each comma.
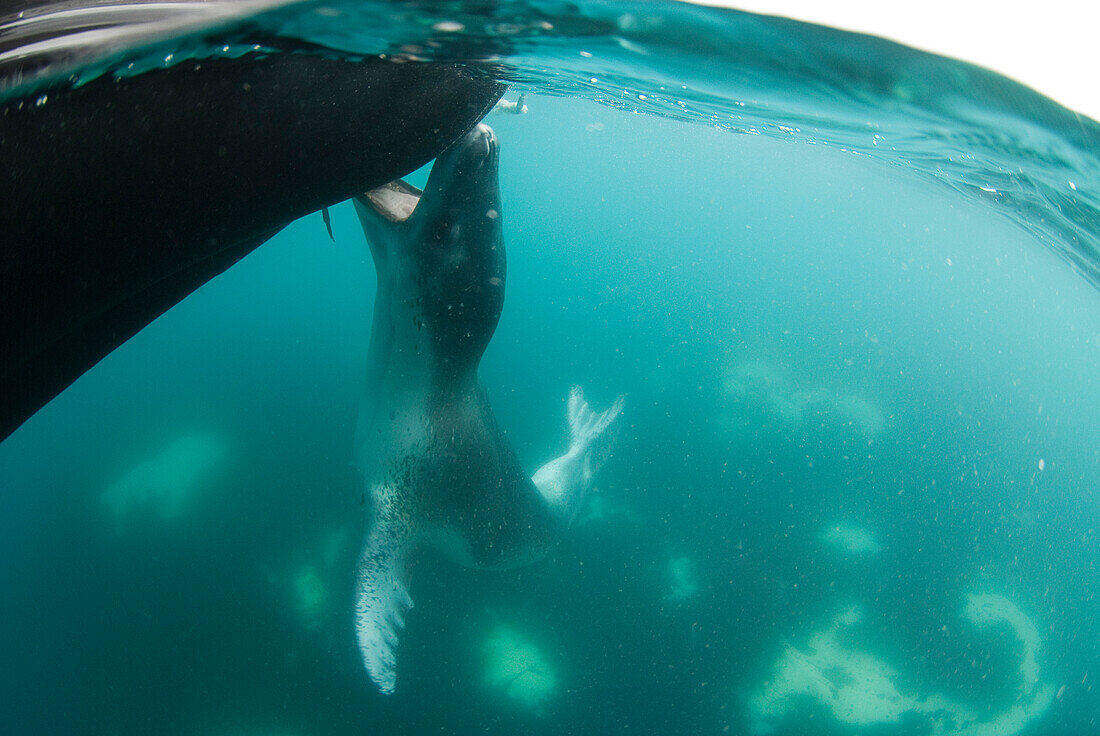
{"points": [[856, 487]]}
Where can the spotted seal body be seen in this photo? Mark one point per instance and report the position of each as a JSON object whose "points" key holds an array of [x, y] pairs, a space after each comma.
{"points": [[437, 466]]}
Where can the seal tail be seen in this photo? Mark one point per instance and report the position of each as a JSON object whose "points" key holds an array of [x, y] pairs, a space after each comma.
{"points": [[591, 435], [382, 598]]}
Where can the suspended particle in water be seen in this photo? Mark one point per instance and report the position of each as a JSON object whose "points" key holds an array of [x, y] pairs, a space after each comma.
{"points": [[449, 26]]}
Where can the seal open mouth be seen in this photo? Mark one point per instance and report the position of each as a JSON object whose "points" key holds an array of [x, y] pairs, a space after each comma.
{"points": [[476, 152], [394, 201]]}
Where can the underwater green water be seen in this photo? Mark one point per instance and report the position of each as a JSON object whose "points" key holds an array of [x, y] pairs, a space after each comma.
{"points": [[855, 490]]}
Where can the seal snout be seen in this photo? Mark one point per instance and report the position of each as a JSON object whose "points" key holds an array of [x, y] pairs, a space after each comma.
{"points": [[481, 145]]}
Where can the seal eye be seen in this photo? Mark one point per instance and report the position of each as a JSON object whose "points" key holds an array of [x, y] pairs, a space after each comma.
{"points": [[440, 232]]}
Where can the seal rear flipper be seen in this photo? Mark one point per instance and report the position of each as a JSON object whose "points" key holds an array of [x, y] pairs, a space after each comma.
{"points": [[381, 599]]}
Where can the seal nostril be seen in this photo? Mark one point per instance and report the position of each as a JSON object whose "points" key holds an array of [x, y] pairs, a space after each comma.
{"points": [[483, 148], [488, 137]]}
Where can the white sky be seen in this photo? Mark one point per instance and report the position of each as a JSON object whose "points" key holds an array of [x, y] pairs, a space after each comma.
{"points": [[1052, 46]]}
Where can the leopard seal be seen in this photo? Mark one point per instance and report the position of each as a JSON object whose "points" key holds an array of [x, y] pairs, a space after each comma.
{"points": [[437, 468]]}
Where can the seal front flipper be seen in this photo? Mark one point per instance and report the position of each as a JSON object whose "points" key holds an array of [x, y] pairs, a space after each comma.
{"points": [[564, 481], [381, 595], [592, 435]]}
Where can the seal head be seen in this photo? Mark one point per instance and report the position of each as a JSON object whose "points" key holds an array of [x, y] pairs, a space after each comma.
{"points": [[440, 260]]}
